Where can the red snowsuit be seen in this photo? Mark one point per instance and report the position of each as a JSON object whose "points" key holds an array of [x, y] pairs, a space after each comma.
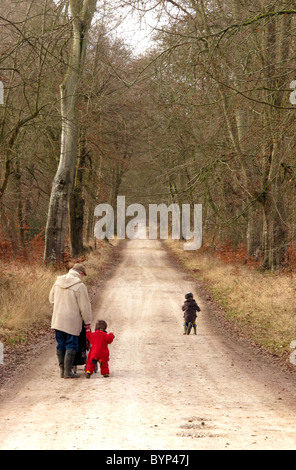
{"points": [[99, 351]]}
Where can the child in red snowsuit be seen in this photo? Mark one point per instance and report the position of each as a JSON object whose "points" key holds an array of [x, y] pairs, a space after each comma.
{"points": [[99, 351]]}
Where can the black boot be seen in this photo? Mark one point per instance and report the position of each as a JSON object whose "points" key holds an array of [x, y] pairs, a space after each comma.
{"points": [[61, 359], [189, 328], [69, 359]]}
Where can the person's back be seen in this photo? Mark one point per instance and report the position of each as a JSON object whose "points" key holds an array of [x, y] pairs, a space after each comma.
{"points": [[99, 341], [190, 308], [69, 298]]}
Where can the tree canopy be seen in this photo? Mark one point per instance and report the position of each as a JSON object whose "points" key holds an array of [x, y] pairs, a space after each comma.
{"points": [[204, 116]]}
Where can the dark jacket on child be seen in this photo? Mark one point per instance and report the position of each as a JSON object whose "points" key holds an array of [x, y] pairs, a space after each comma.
{"points": [[190, 308]]}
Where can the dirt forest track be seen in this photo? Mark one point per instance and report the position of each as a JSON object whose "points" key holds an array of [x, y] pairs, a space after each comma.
{"points": [[166, 390]]}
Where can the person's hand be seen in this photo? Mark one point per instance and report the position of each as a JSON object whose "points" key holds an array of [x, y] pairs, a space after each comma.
{"points": [[87, 327]]}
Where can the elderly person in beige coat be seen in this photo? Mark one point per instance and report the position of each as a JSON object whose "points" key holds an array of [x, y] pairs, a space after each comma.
{"points": [[71, 306]]}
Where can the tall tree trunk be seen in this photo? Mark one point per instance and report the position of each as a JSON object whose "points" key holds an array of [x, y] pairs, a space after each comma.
{"points": [[82, 12]]}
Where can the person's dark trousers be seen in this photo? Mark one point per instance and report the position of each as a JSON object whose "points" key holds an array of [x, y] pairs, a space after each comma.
{"points": [[66, 341], [67, 347]]}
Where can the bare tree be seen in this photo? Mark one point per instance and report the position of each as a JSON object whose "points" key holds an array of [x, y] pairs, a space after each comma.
{"points": [[239, 53], [29, 54]]}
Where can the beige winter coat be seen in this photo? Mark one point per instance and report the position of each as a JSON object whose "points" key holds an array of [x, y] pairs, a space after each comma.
{"points": [[71, 303]]}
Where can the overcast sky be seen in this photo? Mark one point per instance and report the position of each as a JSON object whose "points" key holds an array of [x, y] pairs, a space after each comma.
{"points": [[136, 32]]}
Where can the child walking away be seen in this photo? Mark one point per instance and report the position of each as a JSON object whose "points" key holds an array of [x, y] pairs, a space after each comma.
{"points": [[99, 351], [190, 308]]}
